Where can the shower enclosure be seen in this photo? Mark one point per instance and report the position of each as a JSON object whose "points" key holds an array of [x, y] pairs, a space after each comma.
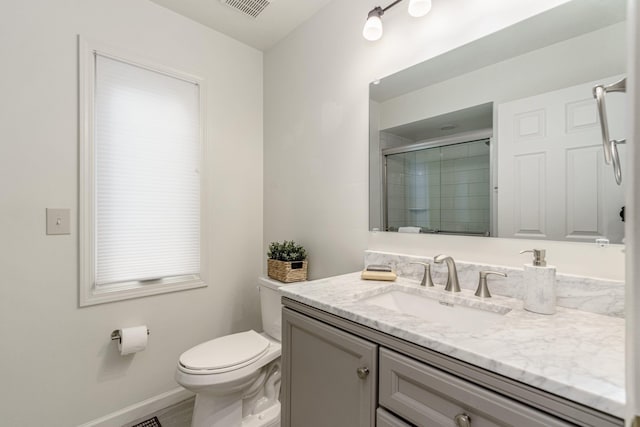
{"points": [[438, 187]]}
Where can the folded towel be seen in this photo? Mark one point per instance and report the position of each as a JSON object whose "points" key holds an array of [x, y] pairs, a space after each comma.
{"points": [[379, 275], [408, 229]]}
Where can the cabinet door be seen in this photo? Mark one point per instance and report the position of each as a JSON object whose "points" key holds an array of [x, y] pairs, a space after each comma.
{"points": [[328, 375], [428, 397]]}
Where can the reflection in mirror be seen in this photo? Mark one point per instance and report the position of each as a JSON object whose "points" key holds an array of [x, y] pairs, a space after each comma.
{"points": [[439, 187], [501, 137]]}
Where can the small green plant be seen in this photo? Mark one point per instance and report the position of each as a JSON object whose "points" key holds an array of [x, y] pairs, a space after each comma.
{"points": [[286, 251]]}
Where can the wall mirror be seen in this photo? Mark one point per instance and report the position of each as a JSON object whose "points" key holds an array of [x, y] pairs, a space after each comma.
{"points": [[501, 137]]}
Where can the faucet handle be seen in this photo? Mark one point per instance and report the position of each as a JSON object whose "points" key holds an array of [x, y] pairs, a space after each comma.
{"points": [[426, 278], [483, 288], [442, 257]]}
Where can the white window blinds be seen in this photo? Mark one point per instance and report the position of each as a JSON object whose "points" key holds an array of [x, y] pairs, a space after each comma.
{"points": [[147, 183]]}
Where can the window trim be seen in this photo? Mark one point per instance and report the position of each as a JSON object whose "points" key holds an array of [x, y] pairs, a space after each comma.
{"points": [[89, 293]]}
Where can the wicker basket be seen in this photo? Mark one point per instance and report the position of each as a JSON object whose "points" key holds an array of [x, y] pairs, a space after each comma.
{"points": [[287, 271]]}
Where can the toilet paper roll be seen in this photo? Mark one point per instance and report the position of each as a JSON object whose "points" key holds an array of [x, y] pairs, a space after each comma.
{"points": [[132, 340]]}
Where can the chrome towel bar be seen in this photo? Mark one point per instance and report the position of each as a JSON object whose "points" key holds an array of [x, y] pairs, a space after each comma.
{"points": [[609, 146]]}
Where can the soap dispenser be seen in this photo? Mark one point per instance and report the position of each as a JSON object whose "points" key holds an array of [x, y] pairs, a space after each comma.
{"points": [[540, 284]]}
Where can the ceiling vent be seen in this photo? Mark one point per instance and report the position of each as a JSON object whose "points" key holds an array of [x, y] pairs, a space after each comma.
{"points": [[251, 8]]}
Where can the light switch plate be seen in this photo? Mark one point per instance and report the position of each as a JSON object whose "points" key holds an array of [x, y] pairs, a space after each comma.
{"points": [[58, 221]]}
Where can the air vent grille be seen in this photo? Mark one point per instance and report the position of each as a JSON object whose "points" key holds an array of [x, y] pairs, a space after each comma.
{"points": [[151, 422], [251, 8]]}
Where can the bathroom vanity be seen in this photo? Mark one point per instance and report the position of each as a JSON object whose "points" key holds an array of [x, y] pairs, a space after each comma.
{"points": [[352, 359]]}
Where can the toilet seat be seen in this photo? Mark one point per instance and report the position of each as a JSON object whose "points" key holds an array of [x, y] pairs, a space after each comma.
{"points": [[224, 354]]}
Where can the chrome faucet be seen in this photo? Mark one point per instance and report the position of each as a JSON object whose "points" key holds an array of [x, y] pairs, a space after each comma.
{"points": [[452, 279]]}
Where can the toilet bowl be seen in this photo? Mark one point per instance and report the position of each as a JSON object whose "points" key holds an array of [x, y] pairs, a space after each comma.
{"points": [[236, 377]]}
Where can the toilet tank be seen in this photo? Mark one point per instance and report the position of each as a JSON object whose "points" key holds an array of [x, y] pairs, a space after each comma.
{"points": [[271, 306]]}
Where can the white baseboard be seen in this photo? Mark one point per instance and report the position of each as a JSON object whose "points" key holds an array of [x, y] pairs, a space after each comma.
{"points": [[140, 409]]}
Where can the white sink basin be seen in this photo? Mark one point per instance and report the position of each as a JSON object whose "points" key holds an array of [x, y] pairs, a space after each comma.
{"points": [[456, 315]]}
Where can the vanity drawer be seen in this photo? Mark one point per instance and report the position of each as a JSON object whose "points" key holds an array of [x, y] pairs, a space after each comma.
{"points": [[429, 397], [387, 419]]}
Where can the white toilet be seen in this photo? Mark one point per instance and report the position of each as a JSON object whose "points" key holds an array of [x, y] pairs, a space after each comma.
{"points": [[236, 377]]}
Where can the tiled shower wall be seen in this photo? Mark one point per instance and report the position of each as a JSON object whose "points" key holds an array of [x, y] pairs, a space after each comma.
{"points": [[465, 189], [445, 188]]}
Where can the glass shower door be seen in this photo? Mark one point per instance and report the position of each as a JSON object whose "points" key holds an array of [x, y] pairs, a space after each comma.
{"points": [[441, 189]]}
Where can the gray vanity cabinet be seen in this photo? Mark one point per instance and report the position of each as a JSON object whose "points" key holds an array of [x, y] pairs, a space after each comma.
{"points": [[328, 376], [387, 419], [337, 373]]}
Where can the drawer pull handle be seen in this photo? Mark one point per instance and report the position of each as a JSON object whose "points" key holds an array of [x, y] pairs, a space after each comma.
{"points": [[462, 420], [363, 372]]}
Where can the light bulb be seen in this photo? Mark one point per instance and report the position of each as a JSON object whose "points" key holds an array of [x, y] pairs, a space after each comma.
{"points": [[419, 8], [372, 30]]}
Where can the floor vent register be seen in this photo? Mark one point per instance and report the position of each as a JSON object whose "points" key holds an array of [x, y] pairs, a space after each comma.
{"points": [[151, 422]]}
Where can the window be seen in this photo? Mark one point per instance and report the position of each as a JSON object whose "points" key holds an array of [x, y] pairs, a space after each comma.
{"points": [[141, 156]]}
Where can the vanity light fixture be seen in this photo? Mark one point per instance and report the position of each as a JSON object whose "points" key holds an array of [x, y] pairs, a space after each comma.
{"points": [[372, 30], [418, 8]]}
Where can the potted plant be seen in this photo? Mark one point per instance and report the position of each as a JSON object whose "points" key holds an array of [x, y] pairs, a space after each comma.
{"points": [[287, 262]]}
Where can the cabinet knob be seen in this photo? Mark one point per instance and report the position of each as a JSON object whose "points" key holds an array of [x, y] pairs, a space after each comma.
{"points": [[363, 372], [462, 420]]}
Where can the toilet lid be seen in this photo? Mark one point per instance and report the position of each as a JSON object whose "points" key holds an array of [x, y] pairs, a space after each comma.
{"points": [[225, 352]]}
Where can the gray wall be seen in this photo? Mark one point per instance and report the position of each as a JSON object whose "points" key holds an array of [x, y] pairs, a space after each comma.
{"points": [[317, 110], [58, 366]]}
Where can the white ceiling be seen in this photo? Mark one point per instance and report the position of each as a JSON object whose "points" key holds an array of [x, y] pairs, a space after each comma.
{"points": [[475, 118], [276, 21]]}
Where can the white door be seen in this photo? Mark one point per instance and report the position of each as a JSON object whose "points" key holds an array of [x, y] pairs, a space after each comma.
{"points": [[553, 182]]}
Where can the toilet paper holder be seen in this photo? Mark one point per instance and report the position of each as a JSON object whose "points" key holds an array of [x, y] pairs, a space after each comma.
{"points": [[117, 335]]}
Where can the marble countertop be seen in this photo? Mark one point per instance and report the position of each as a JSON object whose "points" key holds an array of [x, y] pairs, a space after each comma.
{"points": [[573, 354]]}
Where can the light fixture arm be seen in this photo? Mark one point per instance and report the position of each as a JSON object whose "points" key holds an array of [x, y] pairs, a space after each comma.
{"points": [[379, 11], [372, 30], [391, 5]]}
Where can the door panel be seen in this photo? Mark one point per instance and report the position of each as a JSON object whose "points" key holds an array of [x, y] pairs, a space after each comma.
{"points": [[552, 181]]}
